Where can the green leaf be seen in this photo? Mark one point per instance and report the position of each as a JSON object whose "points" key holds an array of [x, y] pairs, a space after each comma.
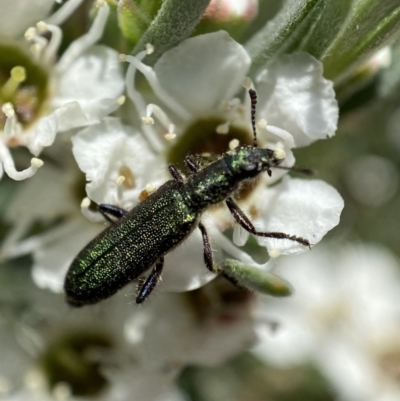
{"points": [[256, 279], [372, 25], [326, 30], [132, 20], [285, 32], [174, 22]]}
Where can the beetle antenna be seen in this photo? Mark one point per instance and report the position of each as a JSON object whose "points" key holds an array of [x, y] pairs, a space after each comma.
{"points": [[296, 169], [253, 98]]}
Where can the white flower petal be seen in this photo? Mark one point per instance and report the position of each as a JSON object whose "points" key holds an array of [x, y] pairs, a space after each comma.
{"points": [[68, 116], [53, 257], [95, 75], [304, 208], [184, 268], [295, 96], [203, 71], [183, 339], [17, 16], [102, 150]]}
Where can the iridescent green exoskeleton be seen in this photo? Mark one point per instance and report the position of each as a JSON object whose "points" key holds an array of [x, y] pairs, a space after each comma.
{"points": [[141, 237]]}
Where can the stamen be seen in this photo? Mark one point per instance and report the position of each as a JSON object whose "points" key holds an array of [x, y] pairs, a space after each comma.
{"points": [[121, 100], [77, 47], [240, 236], [147, 120], [247, 83], [151, 77], [36, 163], [150, 188], [32, 36], [120, 180], [274, 253], [149, 48], [17, 76], [36, 50], [128, 176], [85, 203], [139, 102], [64, 12], [279, 152], [170, 136], [9, 167], [161, 117], [262, 124], [11, 126], [55, 41], [233, 144]]}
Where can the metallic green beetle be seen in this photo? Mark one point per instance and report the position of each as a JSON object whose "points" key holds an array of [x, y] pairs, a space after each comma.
{"points": [[141, 237]]}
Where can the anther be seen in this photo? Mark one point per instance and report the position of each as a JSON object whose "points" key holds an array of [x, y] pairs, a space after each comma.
{"points": [[148, 120], [85, 203], [150, 188], [121, 58], [37, 163], [30, 33], [169, 136], [247, 83], [42, 27], [149, 48], [262, 123], [274, 253], [233, 144], [121, 100], [8, 110], [120, 180]]}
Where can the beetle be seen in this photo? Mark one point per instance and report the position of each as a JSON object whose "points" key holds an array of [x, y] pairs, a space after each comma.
{"points": [[141, 237]]}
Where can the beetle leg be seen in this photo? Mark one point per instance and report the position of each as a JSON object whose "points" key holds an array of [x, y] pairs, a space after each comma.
{"points": [[114, 211], [176, 174], [208, 257], [245, 222], [151, 281], [191, 164]]}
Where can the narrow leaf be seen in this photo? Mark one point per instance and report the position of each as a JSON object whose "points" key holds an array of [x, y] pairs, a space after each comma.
{"points": [[174, 22]]}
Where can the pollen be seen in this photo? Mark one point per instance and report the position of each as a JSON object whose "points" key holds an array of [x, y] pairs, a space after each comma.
{"points": [[8, 110], [233, 144], [30, 33], [279, 153], [149, 48], [126, 177], [42, 27], [85, 203], [169, 136], [274, 253], [148, 120], [262, 123], [37, 163], [120, 180]]}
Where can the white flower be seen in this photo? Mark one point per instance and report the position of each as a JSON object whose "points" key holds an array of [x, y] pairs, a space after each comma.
{"points": [[344, 315], [49, 353], [197, 81], [77, 90], [203, 327]]}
